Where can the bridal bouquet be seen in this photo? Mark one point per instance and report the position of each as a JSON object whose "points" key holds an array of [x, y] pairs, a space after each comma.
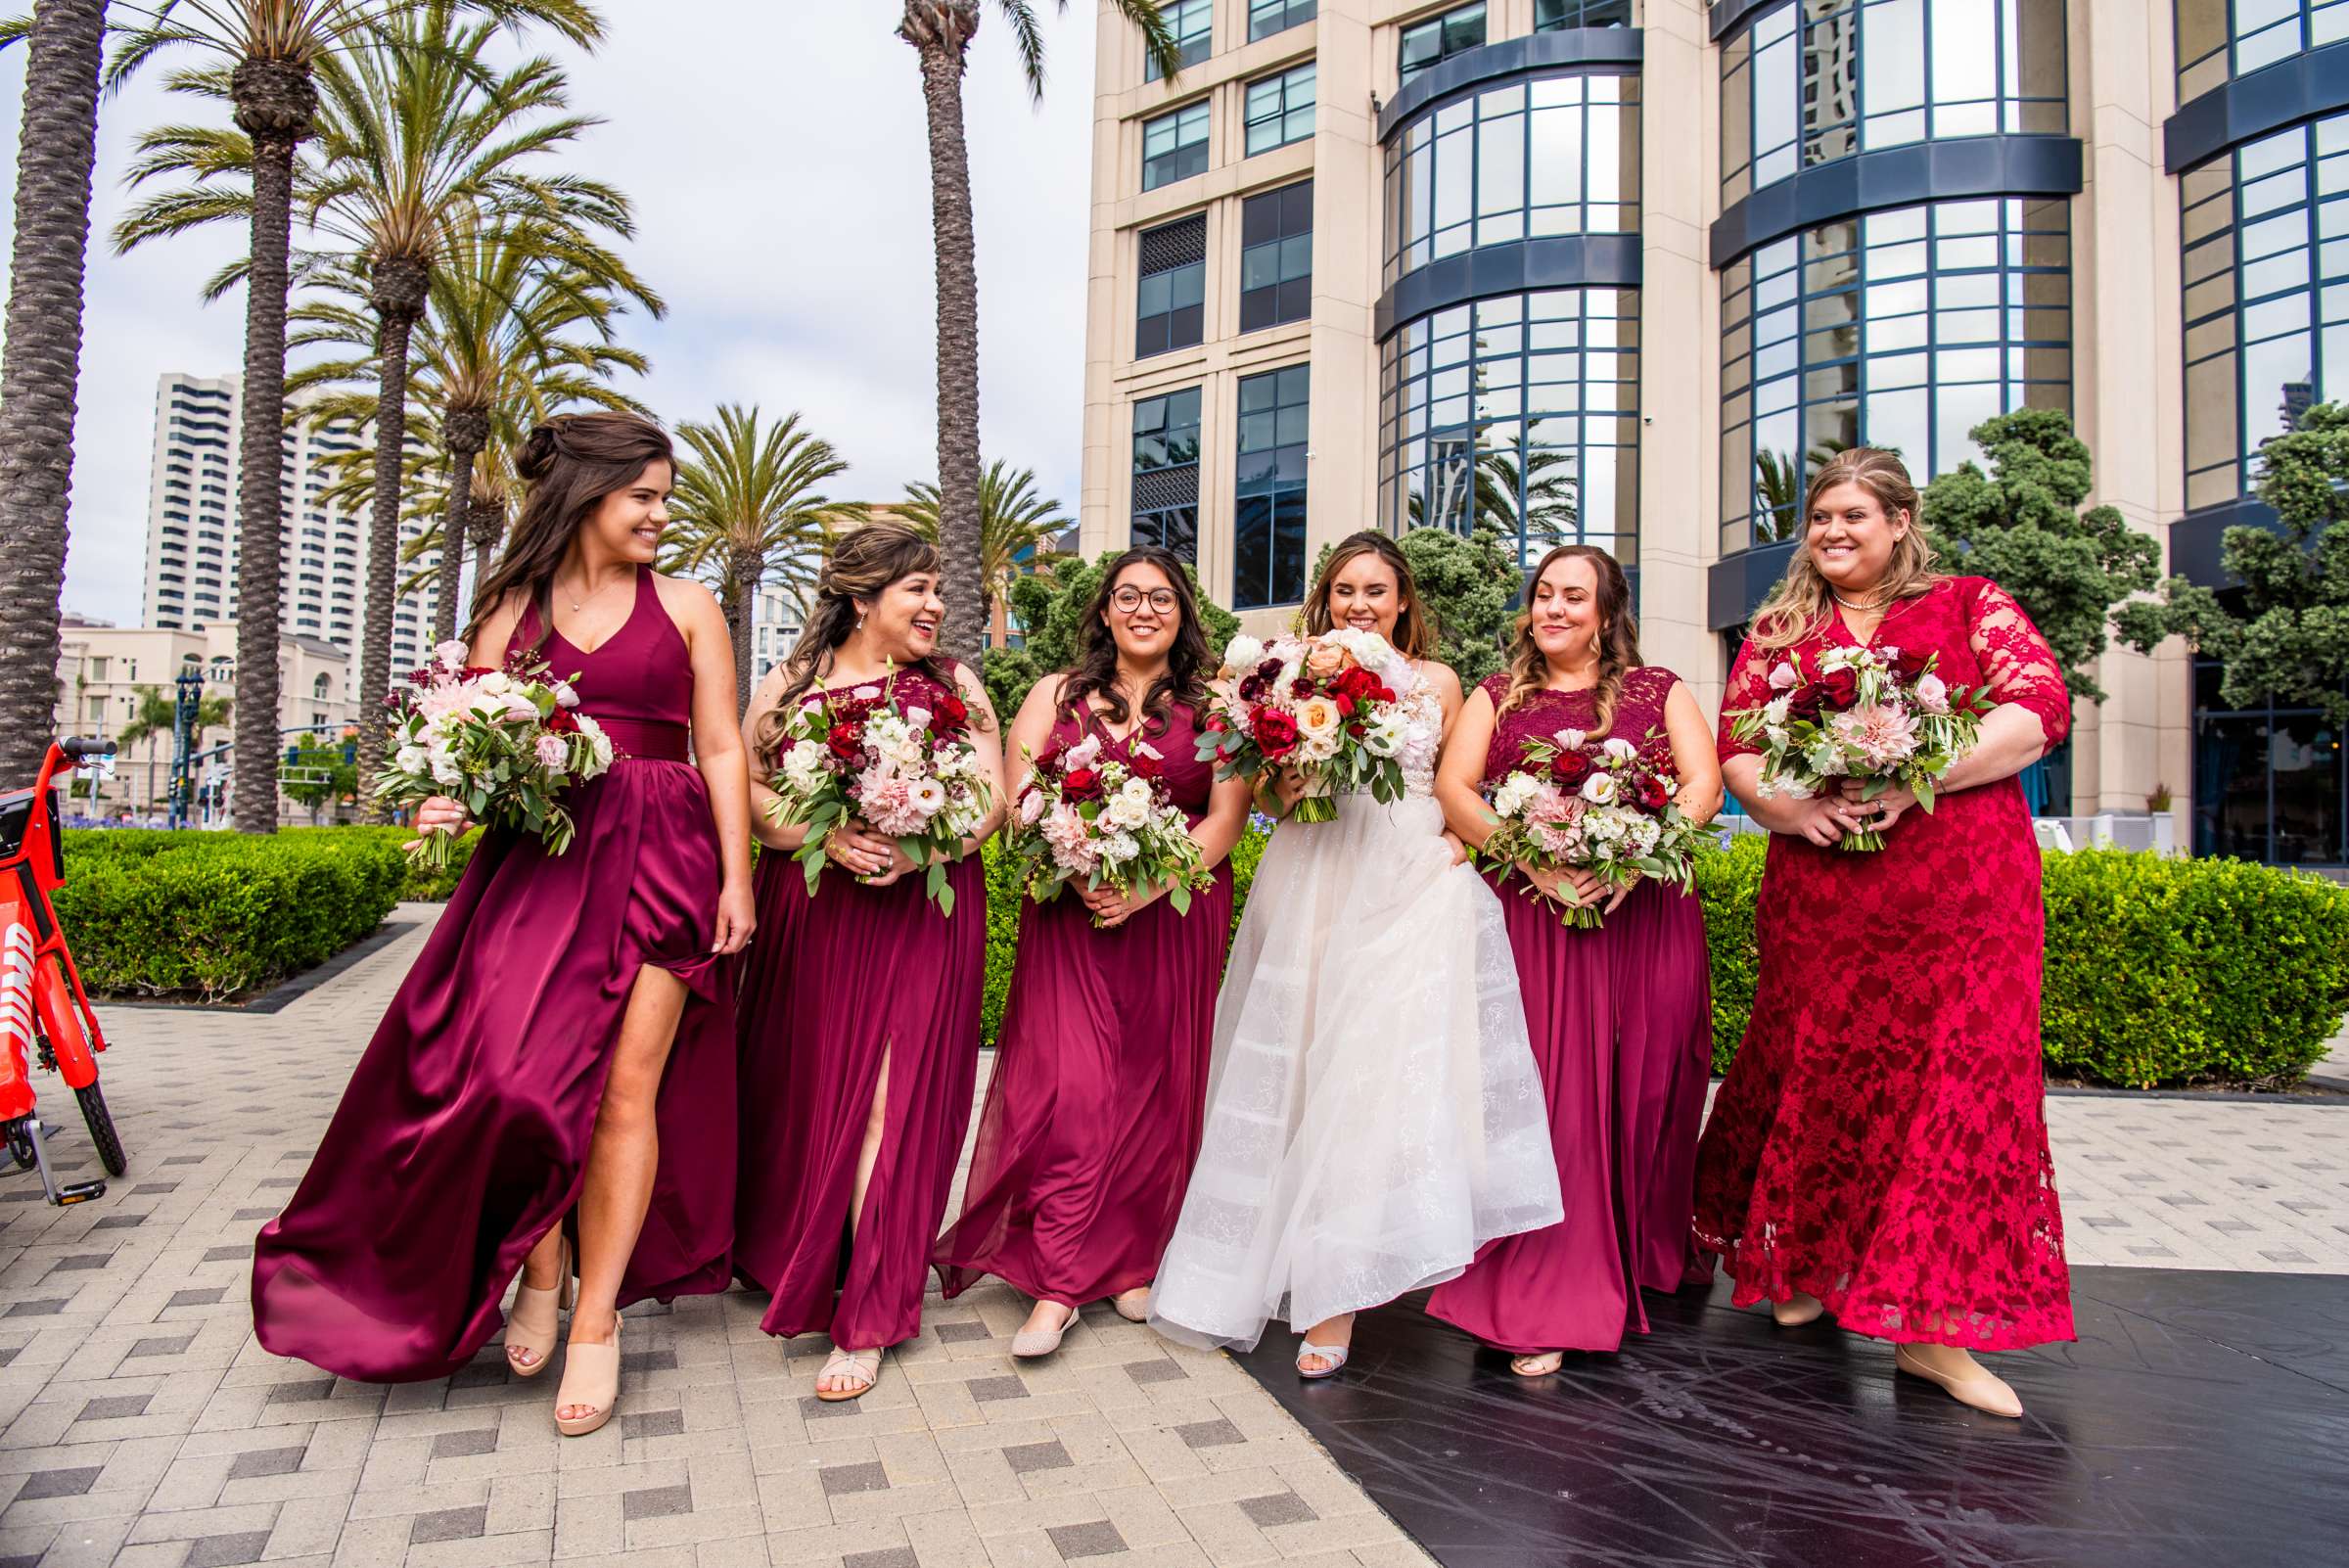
{"points": [[909, 774], [502, 743], [1597, 809], [1092, 817], [1327, 706], [1880, 714]]}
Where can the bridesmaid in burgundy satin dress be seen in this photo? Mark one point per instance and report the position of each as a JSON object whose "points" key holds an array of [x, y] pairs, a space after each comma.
{"points": [[859, 1005], [526, 1070], [1095, 1112], [1621, 1017]]}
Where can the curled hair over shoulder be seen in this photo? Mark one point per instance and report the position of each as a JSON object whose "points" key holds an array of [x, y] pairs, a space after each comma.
{"points": [[1618, 635], [1414, 635], [1188, 662], [570, 464], [1799, 607], [859, 564]]}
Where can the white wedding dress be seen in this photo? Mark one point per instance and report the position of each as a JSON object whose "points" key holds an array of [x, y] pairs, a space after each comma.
{"points": [[1374, 1114]]}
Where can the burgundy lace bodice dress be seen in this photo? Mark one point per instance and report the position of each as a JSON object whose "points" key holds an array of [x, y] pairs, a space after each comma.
{"points": [[1094, 1113], [464, 1133], [1882, 1139], [834, 983], [1620, 1024]]}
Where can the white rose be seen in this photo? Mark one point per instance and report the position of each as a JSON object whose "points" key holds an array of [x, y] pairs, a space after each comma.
{"points": [[1775, 713], [1136, 790], [1621, 750], [496, 681], [1569, 740], [1599, 788], [565, 697], [1125, 812], [410, 760], [1316, 717], [1932, 694], [1243, 653], [1515, 792], [917, 718]]}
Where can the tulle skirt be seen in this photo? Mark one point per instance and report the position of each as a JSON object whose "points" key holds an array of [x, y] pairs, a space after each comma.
{"points": [[1374, 1114]]}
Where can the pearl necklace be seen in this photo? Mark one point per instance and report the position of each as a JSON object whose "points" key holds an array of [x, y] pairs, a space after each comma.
{"points": [[1861, 608]]}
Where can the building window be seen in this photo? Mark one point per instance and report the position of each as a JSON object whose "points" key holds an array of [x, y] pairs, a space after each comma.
{"points": [[1276, 256], [1269, 17], [2221, 39], [2268, 783], [1903, 330], [1174, 146], [1280, 110], [1439, 38], [2266, 236], [1193, 24], [1169, 301], [1521, 411], [1166, 472], [1552, 14], [1556, 156], [1824, 79], [1267, 564]]}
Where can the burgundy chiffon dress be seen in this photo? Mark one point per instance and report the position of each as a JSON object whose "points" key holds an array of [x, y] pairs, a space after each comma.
{"points": [[1099, 1094], [463, 1135], [835, 982], [1621, 1020], [1882, 1139]]}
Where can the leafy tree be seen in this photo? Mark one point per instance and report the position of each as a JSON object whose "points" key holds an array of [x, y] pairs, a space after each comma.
{"points": [[2283, 636], [1016, 526], [1051, 603], [316, 775], [2021, 527], [152, 716]]}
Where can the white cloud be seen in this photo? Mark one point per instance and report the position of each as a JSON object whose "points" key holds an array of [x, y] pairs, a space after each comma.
{"points": [[778, 158]]}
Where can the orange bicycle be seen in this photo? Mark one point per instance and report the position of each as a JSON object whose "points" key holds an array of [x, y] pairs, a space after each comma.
{"points": [[44, 1013]]}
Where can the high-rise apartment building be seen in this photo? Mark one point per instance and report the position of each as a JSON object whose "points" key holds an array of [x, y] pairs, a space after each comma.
{"points": [[1612, 270], [192, 554]]}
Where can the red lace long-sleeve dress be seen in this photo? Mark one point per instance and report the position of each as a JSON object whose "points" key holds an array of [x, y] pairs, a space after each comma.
{"points": [[1881, 1140]]}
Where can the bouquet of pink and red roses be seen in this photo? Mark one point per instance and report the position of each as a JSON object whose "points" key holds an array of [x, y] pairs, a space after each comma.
{"points": [[504, 744], [1327, 706], [1090, 816], [1878, 714], [1596, 808], [907, 773]]}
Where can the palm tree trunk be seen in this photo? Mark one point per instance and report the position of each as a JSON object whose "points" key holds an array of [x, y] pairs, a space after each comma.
{"points": [[57, 149], [465, 429], [274, 106], [398, 298], [939, 35], [745, 571], [488, 530]]}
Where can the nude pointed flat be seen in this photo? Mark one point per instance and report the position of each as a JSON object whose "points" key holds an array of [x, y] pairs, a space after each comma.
{"points": [[1983, 1390], [1133, 1305], [1797, 1309]]}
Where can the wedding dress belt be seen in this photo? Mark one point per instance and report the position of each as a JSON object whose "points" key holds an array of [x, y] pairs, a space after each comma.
{"points": [[648, 740]]}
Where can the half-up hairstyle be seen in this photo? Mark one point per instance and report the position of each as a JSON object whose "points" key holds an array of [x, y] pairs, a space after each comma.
{"points": [[570, 464], [1800, 605], [1188, 662], [1618, 635], [859, 564], [1414, 635]]}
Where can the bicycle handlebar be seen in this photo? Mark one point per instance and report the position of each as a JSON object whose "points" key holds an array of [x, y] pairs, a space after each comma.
{"points": [[78, 747]]}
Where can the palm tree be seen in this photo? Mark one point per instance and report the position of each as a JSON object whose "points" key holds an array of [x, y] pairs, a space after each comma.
{"points": [[1016, 526], [41, 365], [746, 506], [941, 32], [155, 717], [274, 49]]}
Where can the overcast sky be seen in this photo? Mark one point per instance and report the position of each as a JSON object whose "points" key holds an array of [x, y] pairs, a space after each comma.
{"points": [[777, 157]]}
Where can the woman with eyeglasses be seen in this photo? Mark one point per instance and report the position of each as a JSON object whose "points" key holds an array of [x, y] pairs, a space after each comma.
{"points": [[1093, 1116]]}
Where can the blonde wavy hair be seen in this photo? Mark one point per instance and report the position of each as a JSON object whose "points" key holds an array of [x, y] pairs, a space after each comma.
{"points": [[1617, 636], [1801, 604]]}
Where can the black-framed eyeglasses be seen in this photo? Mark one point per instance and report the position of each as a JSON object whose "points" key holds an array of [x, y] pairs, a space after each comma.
{"points": [[1127, 600]]}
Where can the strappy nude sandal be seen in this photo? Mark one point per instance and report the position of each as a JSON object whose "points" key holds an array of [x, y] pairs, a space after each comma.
{"points": [[536, 1319], [590, 1377], [1523, 1366], [1133, 1305], [863, 1365]]}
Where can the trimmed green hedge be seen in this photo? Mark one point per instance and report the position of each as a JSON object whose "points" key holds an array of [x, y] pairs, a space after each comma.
{"points": [[217, 916]]}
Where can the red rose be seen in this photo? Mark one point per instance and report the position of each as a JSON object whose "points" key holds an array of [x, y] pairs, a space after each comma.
{"points": [[1147, 767], [1344, 705], [1275, 733], [1354, 685], [1910, 665], [1301, 687], [561, 722], [1082, 784], [1842, 688], [844, 742], [1652, 793], [950, 715], [1570, 769], [1807, 701]]}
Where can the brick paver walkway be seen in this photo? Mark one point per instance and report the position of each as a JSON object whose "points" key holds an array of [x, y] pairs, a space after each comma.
{"points": [[140, 1423]]}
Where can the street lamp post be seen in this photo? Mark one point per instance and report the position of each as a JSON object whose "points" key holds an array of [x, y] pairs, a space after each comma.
{"points": [[187, 698]]}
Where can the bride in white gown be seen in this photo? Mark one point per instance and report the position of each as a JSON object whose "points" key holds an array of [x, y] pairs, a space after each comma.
{"points": [[1374, 1114]]}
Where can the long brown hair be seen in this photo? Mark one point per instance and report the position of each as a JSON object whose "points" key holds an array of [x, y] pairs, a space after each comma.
{"points": [[1414, 635], [858, 566], [1799, 607], [571, 463], [1618, 635], [1188, 661]]}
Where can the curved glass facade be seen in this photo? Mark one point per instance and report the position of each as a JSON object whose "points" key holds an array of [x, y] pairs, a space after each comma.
{"points": [[1816, 80], [2265, 234], [2219, 40], [1521, 410], [1557, 154], [1901, 329]]}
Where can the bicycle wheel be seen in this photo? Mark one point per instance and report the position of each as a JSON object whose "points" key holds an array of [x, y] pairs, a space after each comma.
{"points": [[20, 1145], [101, 1123]]}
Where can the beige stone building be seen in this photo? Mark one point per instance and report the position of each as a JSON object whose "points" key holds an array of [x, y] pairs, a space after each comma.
{"points": [[1609, 269]]}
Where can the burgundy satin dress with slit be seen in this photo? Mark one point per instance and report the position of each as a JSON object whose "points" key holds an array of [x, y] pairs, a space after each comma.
{"points": [[464, 1133]]}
